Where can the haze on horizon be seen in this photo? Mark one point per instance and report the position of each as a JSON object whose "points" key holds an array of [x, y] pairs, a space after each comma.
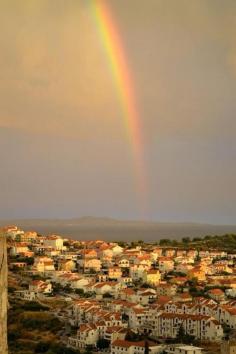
{"points": [[63, 146]]}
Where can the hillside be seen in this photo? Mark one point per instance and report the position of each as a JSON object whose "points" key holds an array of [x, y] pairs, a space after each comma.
{"points": [[112, 229]]}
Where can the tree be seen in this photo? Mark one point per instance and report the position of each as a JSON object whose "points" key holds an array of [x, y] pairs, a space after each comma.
{"points": [[79, 292], [125, 317], [102, 343], [181, 334], [184, 337], [42, 347], [146, 348], [107, 295], [68, 288], [122, 244], [88, 349], [164, 242], [186, 239], [207, 237], [132, 336]]}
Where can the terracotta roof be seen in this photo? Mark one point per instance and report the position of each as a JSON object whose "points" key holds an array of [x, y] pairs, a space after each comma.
{"points": [[216, 292], [127, 344]]}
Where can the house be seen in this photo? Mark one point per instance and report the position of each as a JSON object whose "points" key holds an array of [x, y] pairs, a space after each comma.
{"points": [[79, 283], [105, 252], [156, 253], [39, 286], [124, 263], [88, 253], [137, 271], [231, 292], [124, 346], [170, 252], [102, 278], [28, 236], [183, 268], [19, 248], [178, 280], [54, 241], [88, 264], [197, 272], [183, 297], [166, 264], [106, 287], [17, 265], [117, 250], [25, 295], [166, 289], [182, 349], [200, 327], [152, 277], [114, 273], [137, 317], [221, 267], [192, 253], [13, 232], [43, 264], [113, 333], [127, 294], [226, 314], [144, 260], [144, 297], [181, 253], [217, 294], [125, 280], [67, 265], [87, 334], [81, 311], [228, 347]]}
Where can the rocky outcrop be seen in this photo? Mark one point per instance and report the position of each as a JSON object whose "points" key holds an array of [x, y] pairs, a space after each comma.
{"points": [[3, 295]]}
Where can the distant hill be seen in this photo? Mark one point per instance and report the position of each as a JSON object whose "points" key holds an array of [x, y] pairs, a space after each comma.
{"points": [[114, 230]]}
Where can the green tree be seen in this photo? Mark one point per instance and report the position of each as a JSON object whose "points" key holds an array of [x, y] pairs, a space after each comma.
{"points": [[164, 242], [186, 239], [102, 343], [79, 292], [146, 348], [42, 347], [88, 349], [184, 337]]}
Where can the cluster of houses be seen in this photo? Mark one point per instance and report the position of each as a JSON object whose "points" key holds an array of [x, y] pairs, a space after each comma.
{"points": [[115, 289]]}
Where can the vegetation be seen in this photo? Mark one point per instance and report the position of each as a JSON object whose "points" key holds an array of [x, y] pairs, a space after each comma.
{"points": [[79, 292], [27, 260], [146, 348], [183, 337], [103, 343], [225, 242], [32, 329], [133, 337]]}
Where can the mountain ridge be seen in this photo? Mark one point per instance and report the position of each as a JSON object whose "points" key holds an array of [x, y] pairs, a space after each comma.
{"points": [[110, 229]]}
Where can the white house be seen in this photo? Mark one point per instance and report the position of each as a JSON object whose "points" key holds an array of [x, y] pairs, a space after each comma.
{"points": [[182, 349], [123, 346], [54, 241]]}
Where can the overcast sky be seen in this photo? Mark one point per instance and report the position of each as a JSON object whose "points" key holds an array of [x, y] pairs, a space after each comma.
{"points": [[63, 145]]}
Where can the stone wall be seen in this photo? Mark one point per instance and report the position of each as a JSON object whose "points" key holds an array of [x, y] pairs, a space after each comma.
{"points": [[3, 295]]}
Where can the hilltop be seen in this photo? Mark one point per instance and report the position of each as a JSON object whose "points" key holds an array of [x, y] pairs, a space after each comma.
{"points": [[123, 230]]}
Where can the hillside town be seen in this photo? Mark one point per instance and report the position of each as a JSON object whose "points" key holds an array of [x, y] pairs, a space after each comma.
{"points": [[134, 298]]}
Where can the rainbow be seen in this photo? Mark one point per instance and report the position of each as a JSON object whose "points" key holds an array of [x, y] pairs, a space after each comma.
{"points": [[121, 73]]}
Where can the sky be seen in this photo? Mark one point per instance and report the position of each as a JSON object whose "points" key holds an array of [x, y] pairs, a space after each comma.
{"points": [[64, 150]]}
